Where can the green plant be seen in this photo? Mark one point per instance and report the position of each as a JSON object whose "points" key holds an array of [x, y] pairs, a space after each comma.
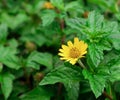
{"points": [[31, 35]]}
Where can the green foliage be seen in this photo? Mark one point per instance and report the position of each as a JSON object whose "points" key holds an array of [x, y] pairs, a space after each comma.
{"points": [[72, 89], [6, 80], [62, 74], [35, 59], [97, 82], [9, 58], [3, 33], [48, 17], [7, 19], [31, 34], [95, 55], [37, 94], [59, 5]]}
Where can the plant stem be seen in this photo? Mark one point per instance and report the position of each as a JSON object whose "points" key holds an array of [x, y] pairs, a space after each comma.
{"points": [[62, 24], [81, 64], [107, 96], [59, 91]]}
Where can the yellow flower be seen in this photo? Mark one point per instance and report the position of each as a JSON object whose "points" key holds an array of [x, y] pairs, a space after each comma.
{"points": [[48, 5], [73, 51]]}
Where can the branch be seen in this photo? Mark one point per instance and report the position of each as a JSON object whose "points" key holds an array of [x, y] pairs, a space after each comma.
{"points": [[107, 96]]}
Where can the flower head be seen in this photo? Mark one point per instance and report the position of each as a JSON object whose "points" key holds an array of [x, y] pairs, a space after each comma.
{"points": [[73, 51], [48, 5]]}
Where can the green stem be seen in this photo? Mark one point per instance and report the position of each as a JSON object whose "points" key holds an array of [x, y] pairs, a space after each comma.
{"points": [[111, 92], [107, 95], [81, 64]]}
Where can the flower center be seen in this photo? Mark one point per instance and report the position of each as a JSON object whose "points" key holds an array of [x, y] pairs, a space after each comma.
{"points": [[74, 52]]}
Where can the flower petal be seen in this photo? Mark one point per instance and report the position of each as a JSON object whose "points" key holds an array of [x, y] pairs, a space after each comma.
{"points": [[61, 50], [64, 47], [60, 54], [73, 61], [73, 51], [76, 40], [69, 43]]}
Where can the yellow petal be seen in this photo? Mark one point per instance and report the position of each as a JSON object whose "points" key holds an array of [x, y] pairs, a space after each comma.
{"points": [[83, 52], [73, 51], [73, 61], [63, 58], [61, 50], [76, 40], [69, 43], [64, 47], [60, 54]]}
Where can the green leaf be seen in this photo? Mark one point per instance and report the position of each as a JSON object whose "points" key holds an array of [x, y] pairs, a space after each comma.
{"points": [[114, 70], [1, 67], [94, 21], [111, 69], [13, 43], [95, 55], [117, 86], [97, 82], [59, 4], [72, 89], [36, 58], [75, 23], [105, 44], [95, 28], [74, 8], [38, 5], [8, 57], [115, 40], [37, 93], [62, 74], [3, 33], [15, 20], [109, 57], [110, 27], [6, 84], [48, 17], [33, 37], [109, 4]]}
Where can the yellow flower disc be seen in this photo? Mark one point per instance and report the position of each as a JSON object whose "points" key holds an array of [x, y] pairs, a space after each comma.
{"points": [[48, 5], [73, 51]]}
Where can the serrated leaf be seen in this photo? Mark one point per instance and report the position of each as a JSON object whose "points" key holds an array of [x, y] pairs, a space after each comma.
{"points": [[62, 74], [15, 20], [114, 70], [13, 43], [95, 54], [97, 82], [8, 57], [109, 57], [38, 4], [110, 4], [37, 94], [105, 44], [48, 17], [111, 68], [95, 21], [72, 89], [74, 7], [3, 33], [36, 58], [75, 23], [33, 37], [59, 4], [115, 40], [110, 27], [6, 84]]}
